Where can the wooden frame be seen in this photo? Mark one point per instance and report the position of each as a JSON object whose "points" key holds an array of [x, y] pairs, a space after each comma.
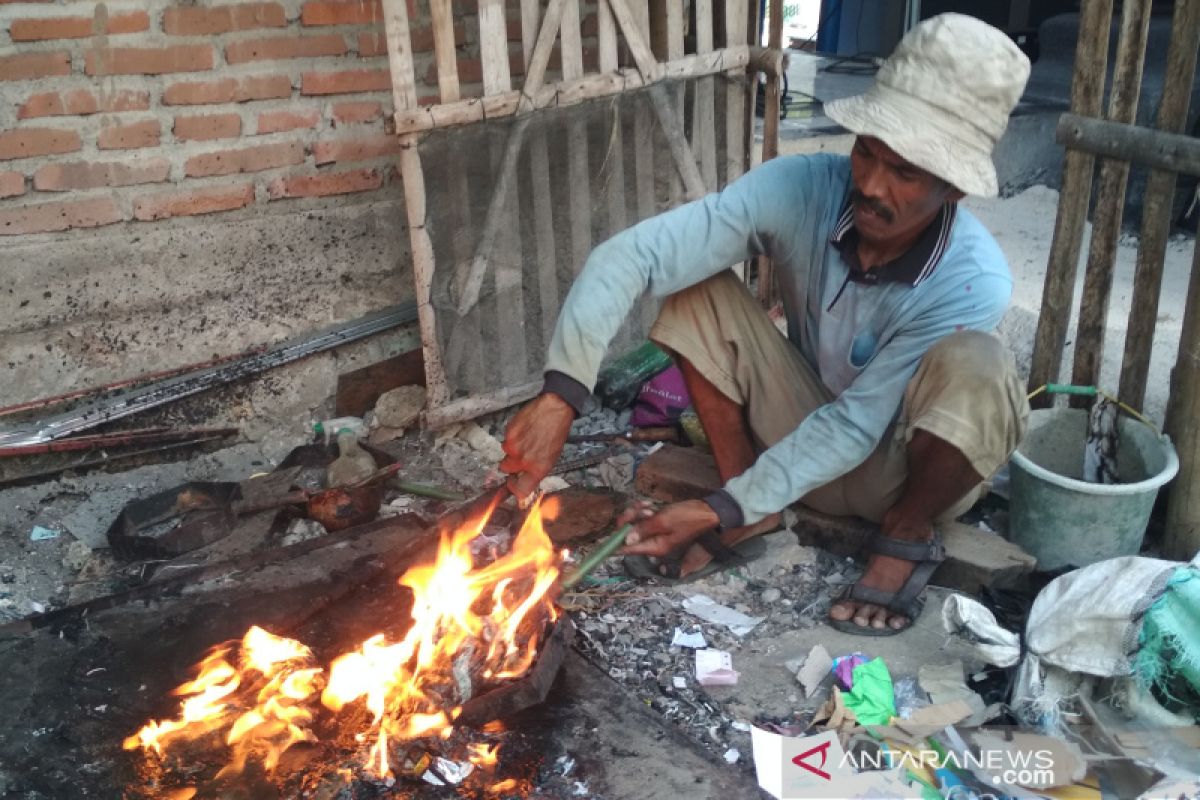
{"points": [[622, 27], [1119, 143]]}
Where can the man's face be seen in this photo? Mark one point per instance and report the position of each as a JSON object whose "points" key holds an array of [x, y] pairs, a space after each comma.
{"points": [[892, 198]]}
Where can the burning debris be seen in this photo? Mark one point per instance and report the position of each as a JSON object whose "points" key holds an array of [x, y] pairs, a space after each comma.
{"points": [[473, 627]]}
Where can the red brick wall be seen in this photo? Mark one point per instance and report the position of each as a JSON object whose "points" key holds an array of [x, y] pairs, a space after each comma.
{"points": [[140, 111]]}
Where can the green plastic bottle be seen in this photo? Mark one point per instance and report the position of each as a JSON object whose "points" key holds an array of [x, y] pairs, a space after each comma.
{"points": [[619, 383]]}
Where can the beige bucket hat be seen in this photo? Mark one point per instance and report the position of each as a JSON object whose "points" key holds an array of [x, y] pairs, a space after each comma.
{"points": [[942, 99]]}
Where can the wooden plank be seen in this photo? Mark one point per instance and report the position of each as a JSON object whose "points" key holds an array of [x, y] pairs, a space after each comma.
{"points": [[1130, 143], [571, 42], [1110, 203], [1058, 294], [1182, 539], [358, 389], [674, 29], [443, 50], [1157, 206], [606, 36], [493, 47]]}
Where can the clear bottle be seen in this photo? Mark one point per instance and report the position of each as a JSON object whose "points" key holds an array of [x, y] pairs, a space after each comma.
{"points": [[353, 464], [330, 428]]}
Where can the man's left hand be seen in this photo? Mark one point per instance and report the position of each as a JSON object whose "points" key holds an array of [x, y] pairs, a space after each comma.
{"points": [[667, 531]]}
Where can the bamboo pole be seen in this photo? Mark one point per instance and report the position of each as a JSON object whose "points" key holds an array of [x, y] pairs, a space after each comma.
{"points": [[1058, 295], [1156, 207], [404, 96], [1182, 539], [1110, 207], [443, 50]]}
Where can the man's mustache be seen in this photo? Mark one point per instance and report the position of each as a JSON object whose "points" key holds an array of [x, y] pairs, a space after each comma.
{"points": [[860, 199]]}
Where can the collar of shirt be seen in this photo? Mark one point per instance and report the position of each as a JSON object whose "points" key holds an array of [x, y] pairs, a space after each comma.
{"points": [[913, 267]]}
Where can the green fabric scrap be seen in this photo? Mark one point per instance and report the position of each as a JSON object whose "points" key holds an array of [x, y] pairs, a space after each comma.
{"points": [[872, 699], [1169, 646]]}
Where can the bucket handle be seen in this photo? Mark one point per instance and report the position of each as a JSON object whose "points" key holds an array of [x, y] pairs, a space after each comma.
{"points": [[1092, 391]]}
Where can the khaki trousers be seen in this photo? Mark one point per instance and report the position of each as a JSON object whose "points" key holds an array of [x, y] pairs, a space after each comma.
{"points": [[966, 392]]}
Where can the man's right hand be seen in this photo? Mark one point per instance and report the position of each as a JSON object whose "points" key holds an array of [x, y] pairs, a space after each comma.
{"points": [[534, 440]]}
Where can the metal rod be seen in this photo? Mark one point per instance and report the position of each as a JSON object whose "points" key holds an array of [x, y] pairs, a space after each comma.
{"points": [[162, 392], [598, 555]]}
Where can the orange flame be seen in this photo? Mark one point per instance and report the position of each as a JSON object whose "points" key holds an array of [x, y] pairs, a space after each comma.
{"points": [[467, 624]]}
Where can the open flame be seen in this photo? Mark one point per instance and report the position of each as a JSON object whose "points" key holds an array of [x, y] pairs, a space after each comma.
{"points": [[468, 624]]}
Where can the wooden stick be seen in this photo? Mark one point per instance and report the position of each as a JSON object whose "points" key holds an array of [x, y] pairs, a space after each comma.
{"points": [[472, 407], [570, 42], [1087, 90], [1106, 225], [638, 48], [597, 556], [1182, 539], [1156, 207], [579, 193], [1159, 149]]}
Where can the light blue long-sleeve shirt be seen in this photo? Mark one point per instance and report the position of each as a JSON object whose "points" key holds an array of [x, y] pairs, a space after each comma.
{"points": [[864, 339]]}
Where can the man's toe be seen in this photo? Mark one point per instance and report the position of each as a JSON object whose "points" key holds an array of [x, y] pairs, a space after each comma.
{"points": [[865, 614], [898, 622]]}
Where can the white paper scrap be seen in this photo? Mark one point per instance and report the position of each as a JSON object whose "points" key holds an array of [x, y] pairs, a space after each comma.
{"points": [[680, 683], [710, 610], [715, 668], [694, 640], [732, 755], [41, 534]]}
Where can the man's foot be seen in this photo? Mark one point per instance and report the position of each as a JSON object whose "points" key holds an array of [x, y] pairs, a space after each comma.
{"points": [[887, 574], [697, 557]]}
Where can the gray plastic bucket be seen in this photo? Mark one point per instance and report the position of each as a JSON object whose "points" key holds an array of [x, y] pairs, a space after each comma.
{"points": [[1063, 520]]}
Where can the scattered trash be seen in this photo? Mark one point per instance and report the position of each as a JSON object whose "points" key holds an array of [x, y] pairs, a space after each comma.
{"points": [[732, 755], [804, 766], [771, 595], [909, 697], [944, 683], [843, 668], [444, 770], [872, 698], [710, 610], [77, 556], [694, 640], [680, 683], [617, 472], [302, 530], [551, 484], [327, 429], [816, 666], [715, 668], [353, 464], [41, 534], [619, 383], [661, 400]]}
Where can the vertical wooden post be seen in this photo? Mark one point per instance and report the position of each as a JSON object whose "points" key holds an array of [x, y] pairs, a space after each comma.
{"points": [[704, 123], [1114, 176], [443, 50], [606, 36], [579, 188], [1156, 206], [768, 294], [1087, 92], [508, 272], [675, 50], [643, 157], [404, 96], [543, 207], [735, 94], [1182, 539]]}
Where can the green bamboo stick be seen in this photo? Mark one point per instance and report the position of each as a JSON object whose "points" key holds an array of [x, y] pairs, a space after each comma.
{"points": [[599, 554], [424, 490]]}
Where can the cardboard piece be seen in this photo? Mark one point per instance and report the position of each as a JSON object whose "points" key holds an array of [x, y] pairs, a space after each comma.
{"points": [[715, 668]]}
